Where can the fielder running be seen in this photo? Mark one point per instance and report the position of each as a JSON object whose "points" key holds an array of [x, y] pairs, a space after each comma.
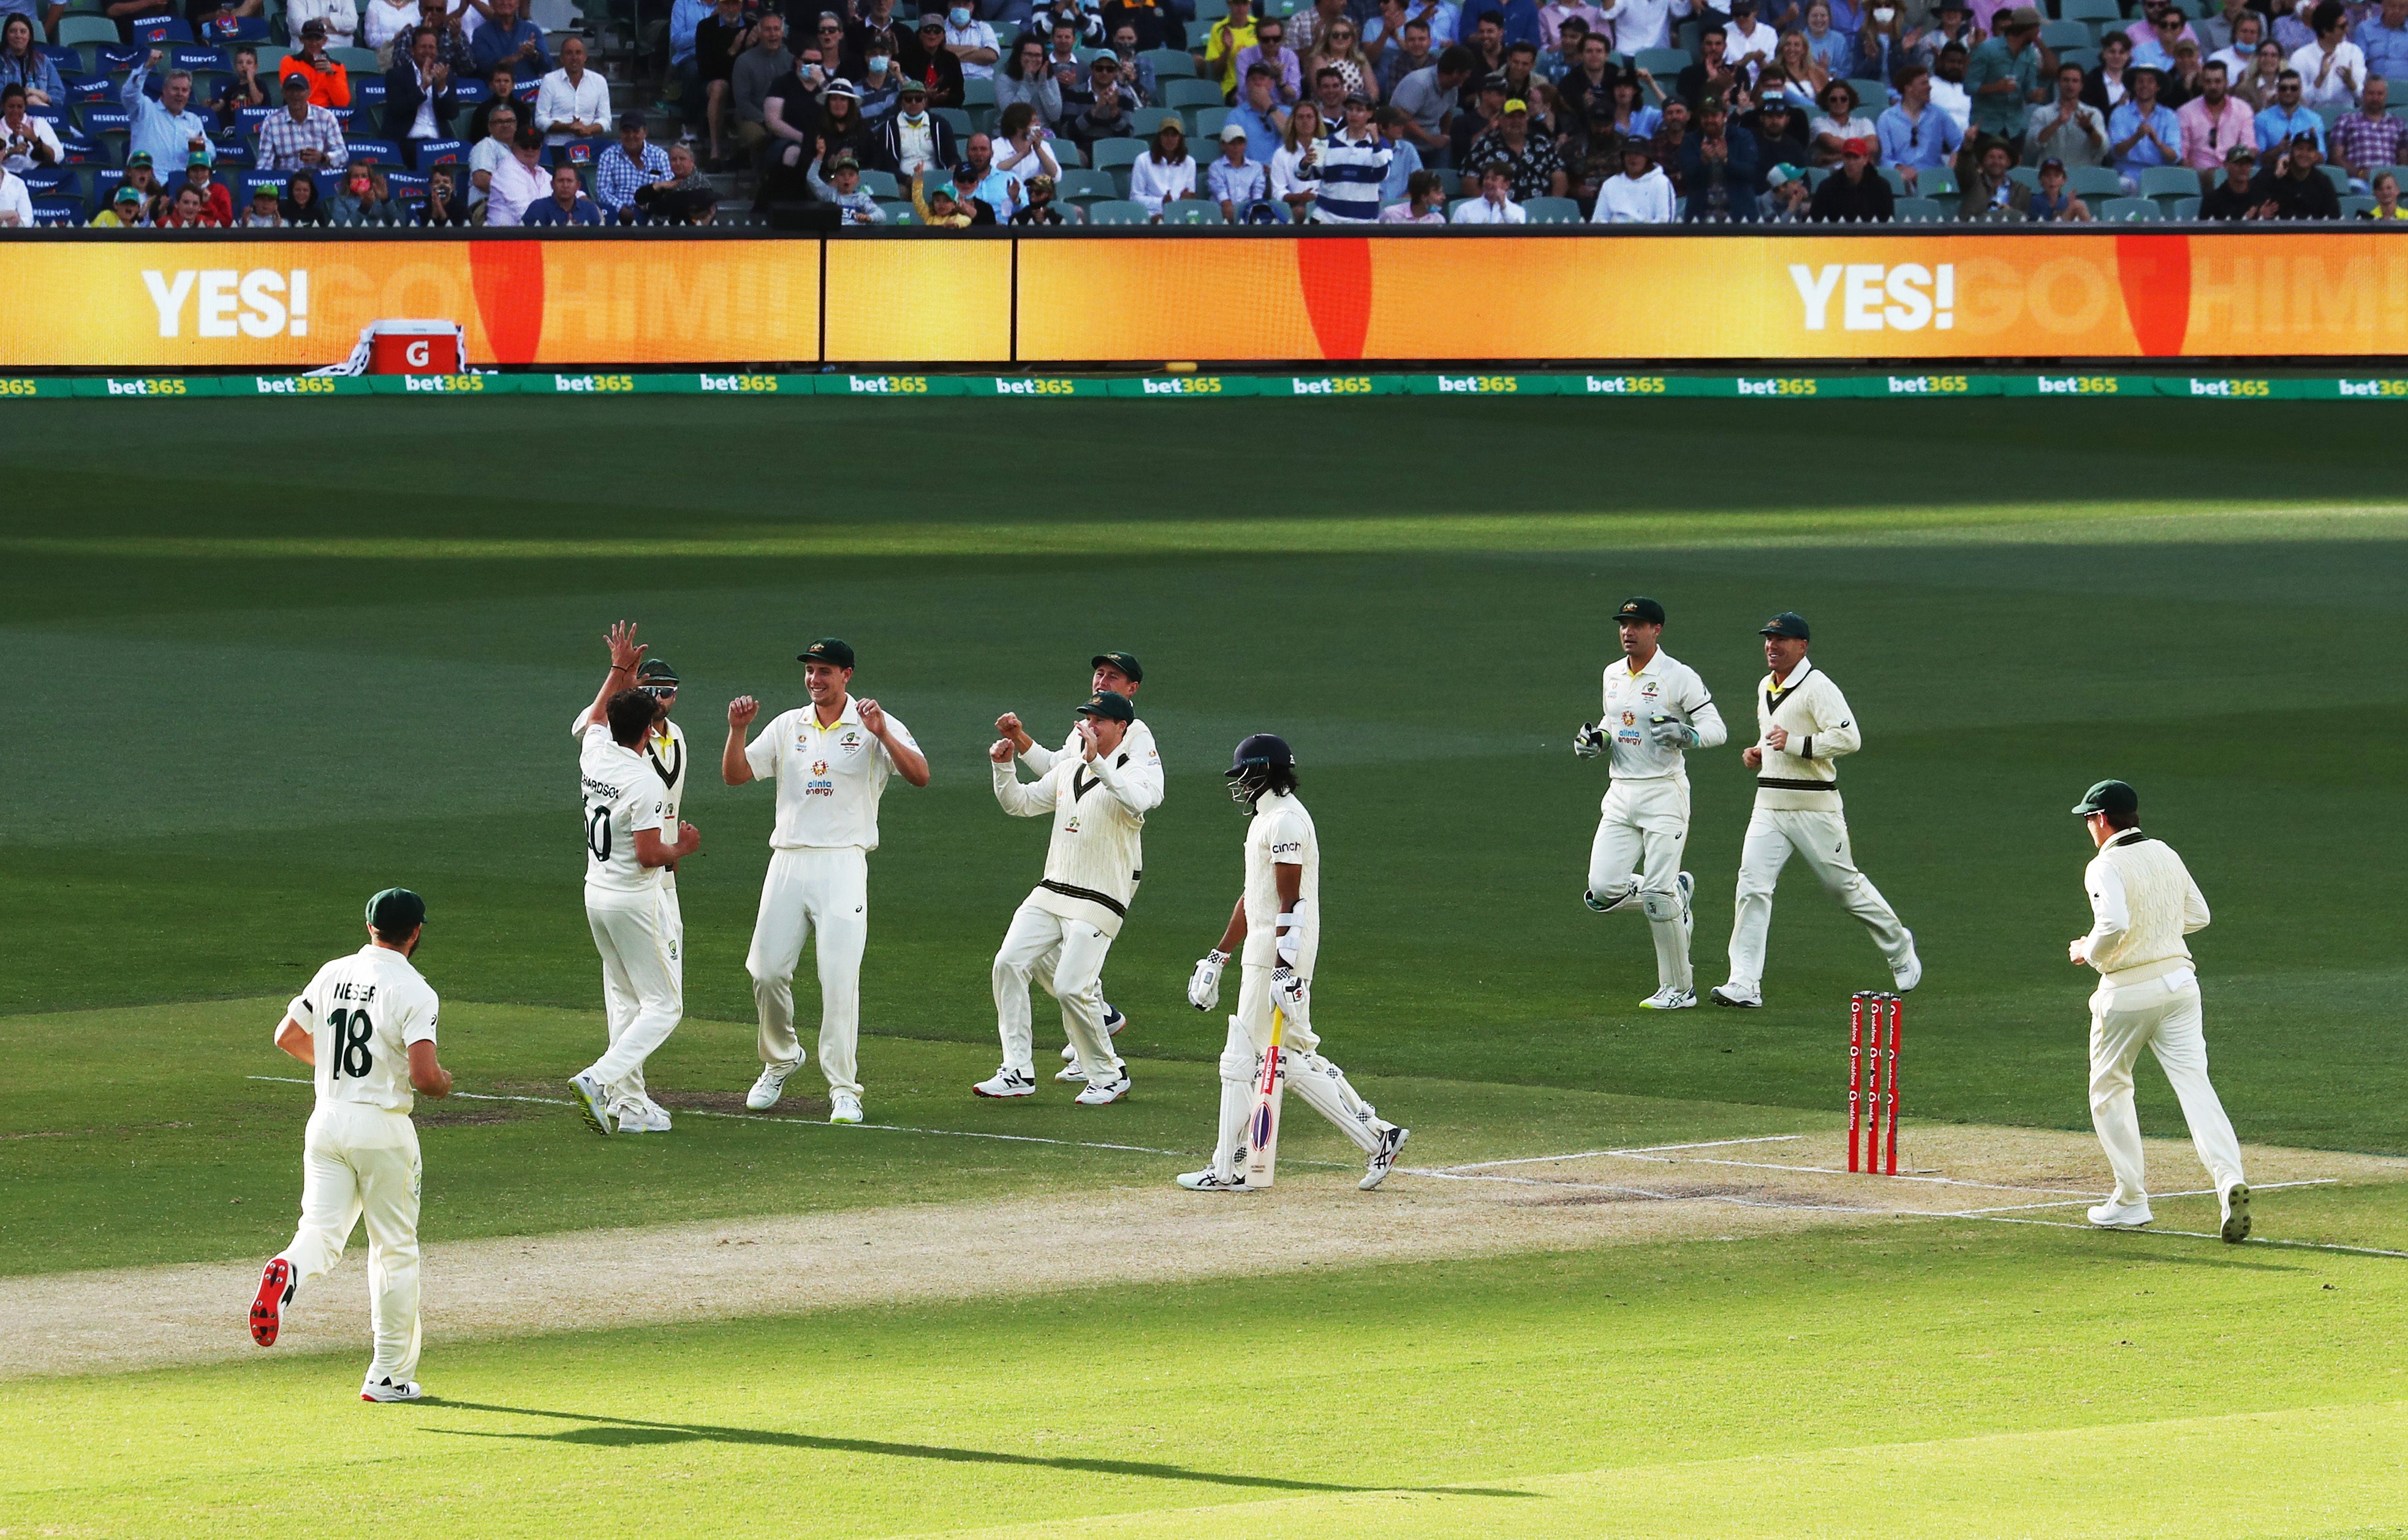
{"points": [[1119, 672], [2143, 903], [1656, 709], [1098, 799], [664, 750], [365, 1023], [635, 931], [831, 760], [1277, 922], [1802, 723]]}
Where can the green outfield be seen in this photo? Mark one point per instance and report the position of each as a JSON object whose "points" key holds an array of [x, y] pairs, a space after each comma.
{"points": [[311, 649]]}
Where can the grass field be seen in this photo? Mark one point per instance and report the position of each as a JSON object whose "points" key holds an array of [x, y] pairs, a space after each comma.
{"points": [[337, 648]]}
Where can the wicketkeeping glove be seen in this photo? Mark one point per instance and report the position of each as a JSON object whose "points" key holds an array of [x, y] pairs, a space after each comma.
{"points": [[1293, 995], [1589, 742], [1672, 733], [1204, 984]]}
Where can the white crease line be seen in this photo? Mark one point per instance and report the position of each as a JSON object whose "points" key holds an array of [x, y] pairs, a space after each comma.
{"points": [[1835, 1171], [1637, 1150], [2194, 1192], [2197, 1234]]}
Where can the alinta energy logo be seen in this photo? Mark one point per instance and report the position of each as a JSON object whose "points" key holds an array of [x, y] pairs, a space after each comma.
{"points": [[1873, 297]]}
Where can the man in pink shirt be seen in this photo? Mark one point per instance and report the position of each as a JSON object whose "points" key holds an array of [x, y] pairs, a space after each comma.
{"points": [[2214, 121]]}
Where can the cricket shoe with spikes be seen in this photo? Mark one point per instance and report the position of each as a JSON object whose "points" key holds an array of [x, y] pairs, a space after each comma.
{"points": [[1383, 1159], [2112, 1215], [593, 1100], [843, 1107], [1728, 994], [1669, 998], [1005, 1082], [385, 1389], [1209, 1180], [1103, 1093], [2236, 1213], [770, 1085], [276, 1286]]}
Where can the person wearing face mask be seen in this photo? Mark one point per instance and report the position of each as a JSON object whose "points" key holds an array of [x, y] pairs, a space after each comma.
{"points": [[926, 58], [1881, 44], [971, 42], [882, 82]]}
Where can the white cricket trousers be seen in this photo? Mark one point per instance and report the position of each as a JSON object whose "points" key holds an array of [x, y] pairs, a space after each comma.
{"points": [[2163, 1015], [642, 942], [823, 888], [1322, 1084], [1821, 840], [358, 1161], [1640, 839], [1067, 957]]}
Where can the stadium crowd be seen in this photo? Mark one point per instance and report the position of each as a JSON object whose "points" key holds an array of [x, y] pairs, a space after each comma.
{"points": [[271, 113]]}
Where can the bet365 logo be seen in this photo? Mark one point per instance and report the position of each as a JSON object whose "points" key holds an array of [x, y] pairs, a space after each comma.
{"points": [[1874, 296]]}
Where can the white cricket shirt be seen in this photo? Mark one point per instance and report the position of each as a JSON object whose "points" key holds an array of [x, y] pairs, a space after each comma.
{"points": [[829, 779], [2143, 903], [364, 1011], [621, 797], [1146, 759], [1096, 857], [1281, 835], [1801, 778], [664, 751], [1665, 687]]}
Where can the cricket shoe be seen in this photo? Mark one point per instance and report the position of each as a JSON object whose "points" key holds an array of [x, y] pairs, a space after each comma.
{"points": [[843, 1107], [385, 1389], [2112, 1215], [1105, 1093], [1598, 905], [276, 1285], [1007, 1082], [1669, 998], [1383, 1159], [1209, 1180], [1070, 1071], [772, 1085], [593, 1103], [1726, 994], [2236, 1215], [1910, 972], [644, 1116]]}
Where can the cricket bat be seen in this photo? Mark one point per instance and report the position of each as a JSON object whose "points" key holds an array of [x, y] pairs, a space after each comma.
{"points": [[1262, 1128]]}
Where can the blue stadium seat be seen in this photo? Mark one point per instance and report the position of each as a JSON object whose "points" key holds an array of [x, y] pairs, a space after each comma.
{"points": [[1146, 119], [57, 211], [197, 58], [1192, 211], [88, 88], [2168, 181], [45, 181], [2128, 210], [367, 91], [1919, 210], [160, 31], [228, 30], [1170, 63], [87, 29], [119, 58], [1074, 186], [1118, 211], [382, 151], [880, 185], [441, 152], [1551, 210], [1105, 154], [2095, 181]]}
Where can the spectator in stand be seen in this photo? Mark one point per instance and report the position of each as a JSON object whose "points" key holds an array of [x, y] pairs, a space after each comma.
{"points": [[2154, 40], [1642, 194], [1337, 47], [2368, 137], [444, 208], [486, 156], [685, 195], [2296, 186], [1522, 79], [26, 141], [1426, 97], [1780, 138], [2236, 197], [1411, 51], [1554, 13], [1806, 74], [913, 138], [1476, 120], [573, 102], [2181, 81], [1990, 193], [1234, 181], [719, 37], [1107, 117], [124, 211], [200, 175], [842, 128], [567, 206], [2387, 197], [1713, 74], [1952, 22], [2070, 130], [2260, 84], [2213, 121], [1671, 133], [1258, 111], [971, 42], [927, 60], [838, 52], [1425, 201], [1403, 159], [167, 130], [2287, 121], [625, 166], [1914, 136], [2331, 68], [158, 200], [1841, 121], [1270, 49], [125, 13], [2383, 39], [1229, 37], [365, 197], [2106, 86], [1633, 119], [242, 89], [20, 66], [518, 182], [263, 214], [881, 81], [791, 113], [1881, 48], [302, 137], [501, 89], [382, 21], [1495, 203], [1565, 57], [1086, 25], [1355, 163], [1751, 44], [1022, 151], [1824, 45], [1040, 207], [871, 19], [507, 37], [419, 101], [1785, 194], [299, 203], [1641, 24], [1589, 86], [451, 42], [1718, 168], [1531, 160], [330, 83], [1948, 92], [2143, 132], [191, 211], [933, 205], [1329, 94], [1311, 16], [1026, 79], [2053, 204], [979, 175], [2004, 78], [1135, 69], [1296, 168], [341, 18], [1166, 171], [757, 68], [1855, 193], [2248, 30]]}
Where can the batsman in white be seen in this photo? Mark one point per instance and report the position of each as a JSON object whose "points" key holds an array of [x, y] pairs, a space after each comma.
{"points": [[664, 750], [1277, 921], [1802, 725], [1656, 709], [1098, 799], [627, 851], [365, 1024], [1119, 672], [831, 760], [2143, 903]]}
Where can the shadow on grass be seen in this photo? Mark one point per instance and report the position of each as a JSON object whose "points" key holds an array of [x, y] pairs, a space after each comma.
{"points": [[623, 1432]]}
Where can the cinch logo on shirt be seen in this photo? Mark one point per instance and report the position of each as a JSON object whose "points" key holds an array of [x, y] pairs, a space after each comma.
{"points": [[1290, 848], [1874, 297]]}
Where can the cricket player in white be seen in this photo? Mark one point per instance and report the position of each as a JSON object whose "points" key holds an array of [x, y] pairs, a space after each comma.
{"points": [[1277, 922], [2143, 903], [643, 982], [1656, 709], [365, 1023], [1120, 673], [1098, 799], [1802, 725], [831, 760], [665, 750]]}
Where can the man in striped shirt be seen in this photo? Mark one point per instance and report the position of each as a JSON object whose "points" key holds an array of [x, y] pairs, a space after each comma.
{"points": [[1354, 166], [302, 137]]}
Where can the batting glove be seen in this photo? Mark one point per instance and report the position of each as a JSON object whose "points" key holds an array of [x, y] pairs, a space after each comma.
{"points": [[1204, 984], [1672, 733], [1292, 992], [1589, 742]]}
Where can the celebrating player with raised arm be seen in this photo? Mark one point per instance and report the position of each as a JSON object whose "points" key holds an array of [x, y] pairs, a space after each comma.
{"points": [[1098, 799], [365, 1024], [1656, 708], [831, 760], [1802, 725], [1277, 922], [1119, 672], [663, 751]]}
